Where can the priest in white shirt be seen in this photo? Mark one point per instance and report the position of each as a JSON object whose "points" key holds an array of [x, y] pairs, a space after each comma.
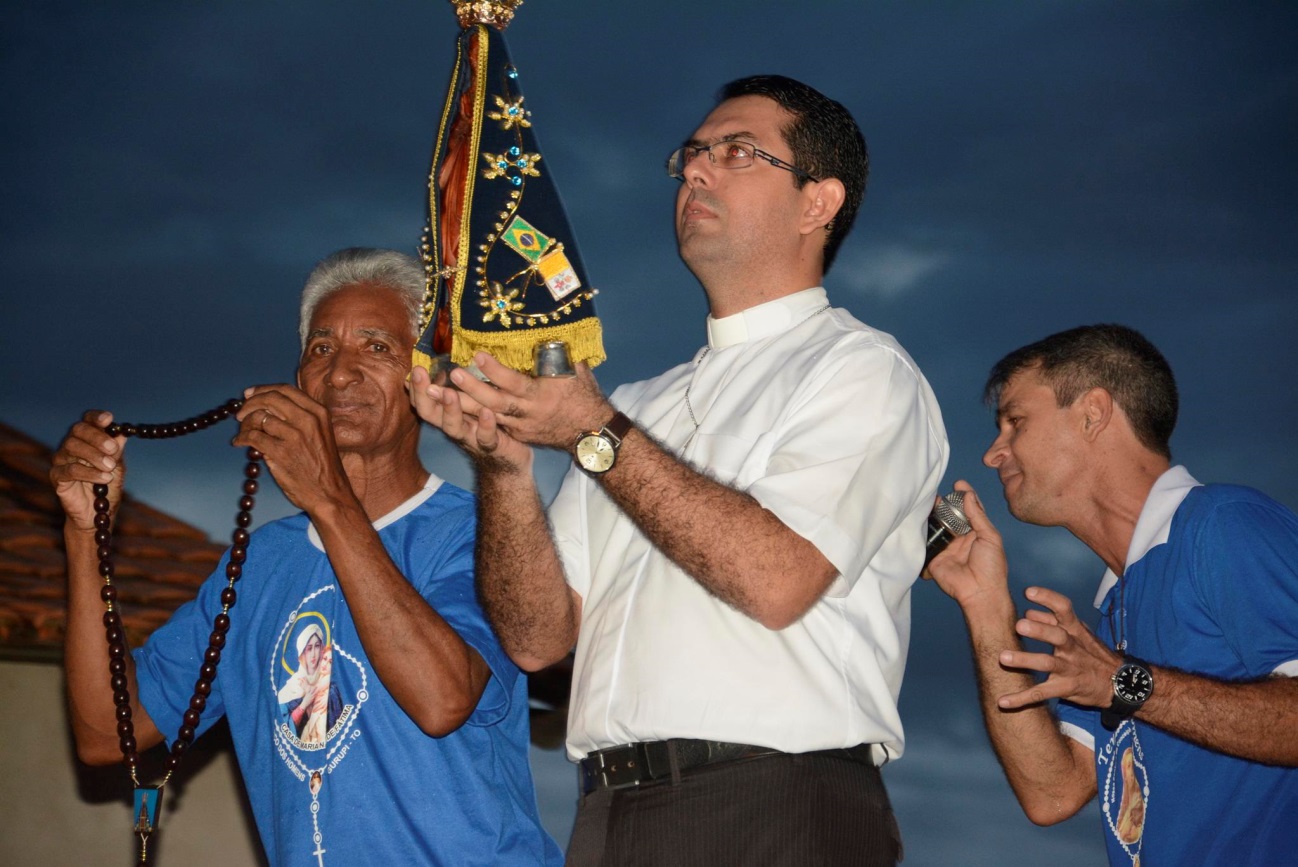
{"points": [[733, 550]]}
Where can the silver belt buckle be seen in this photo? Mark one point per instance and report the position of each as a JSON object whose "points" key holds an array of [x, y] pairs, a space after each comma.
{"points": [[619, 767]]}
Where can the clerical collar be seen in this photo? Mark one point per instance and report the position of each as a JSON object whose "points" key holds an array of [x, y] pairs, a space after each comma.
{"points": [[1155, 521], [766, 319]]}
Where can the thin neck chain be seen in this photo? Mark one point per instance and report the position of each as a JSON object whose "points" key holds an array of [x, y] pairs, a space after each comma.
{"points": [[689, 407]]}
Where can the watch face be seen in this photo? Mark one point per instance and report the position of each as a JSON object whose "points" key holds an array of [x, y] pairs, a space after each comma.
{"points": [[1132, 684], [595, 453]]}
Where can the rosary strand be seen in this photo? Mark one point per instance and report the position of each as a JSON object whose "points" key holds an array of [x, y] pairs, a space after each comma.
{"points": [[115, 634]]}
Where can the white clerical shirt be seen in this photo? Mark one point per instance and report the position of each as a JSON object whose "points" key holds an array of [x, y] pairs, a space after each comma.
{"points": [[828, 424]]}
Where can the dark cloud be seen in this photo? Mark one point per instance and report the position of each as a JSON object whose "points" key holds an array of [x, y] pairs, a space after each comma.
{"points": [[172, 173]]}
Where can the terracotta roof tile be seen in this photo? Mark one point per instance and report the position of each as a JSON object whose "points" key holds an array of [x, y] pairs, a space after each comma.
{"points": [[160, 560]]}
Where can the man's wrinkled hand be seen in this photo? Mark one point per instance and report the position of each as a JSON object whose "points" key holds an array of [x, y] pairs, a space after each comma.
{"points": [[295, 436], [88, 456]]}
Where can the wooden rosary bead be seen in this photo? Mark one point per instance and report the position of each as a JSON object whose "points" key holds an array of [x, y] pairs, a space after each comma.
{"points": [[113, 632]]}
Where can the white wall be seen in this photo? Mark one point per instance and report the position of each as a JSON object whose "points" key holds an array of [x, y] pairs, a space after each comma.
{"points": [[54, 810]]}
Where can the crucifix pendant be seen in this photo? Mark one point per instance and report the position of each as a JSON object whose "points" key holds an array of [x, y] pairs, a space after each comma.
{"points": [[148, 804]]}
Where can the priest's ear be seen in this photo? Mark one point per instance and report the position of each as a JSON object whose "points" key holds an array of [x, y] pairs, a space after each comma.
{"points": [[823, 201]]}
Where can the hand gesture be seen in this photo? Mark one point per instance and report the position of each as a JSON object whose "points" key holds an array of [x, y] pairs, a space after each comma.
{"points": [[88, 456], [1079, 667]]}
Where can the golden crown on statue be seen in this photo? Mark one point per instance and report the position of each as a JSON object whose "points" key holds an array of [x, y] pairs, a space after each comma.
{"points": [[497, 13]]}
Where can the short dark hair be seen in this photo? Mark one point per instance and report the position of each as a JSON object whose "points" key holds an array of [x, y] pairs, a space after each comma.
{"points": [[824, 138], [1116, 358]]}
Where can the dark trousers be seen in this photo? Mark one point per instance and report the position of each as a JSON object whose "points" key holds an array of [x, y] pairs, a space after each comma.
{"points": [[806, 810]]}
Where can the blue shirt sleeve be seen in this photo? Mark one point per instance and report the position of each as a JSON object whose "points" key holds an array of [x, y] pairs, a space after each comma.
{"points": [[1246, 572], [167, 666]]}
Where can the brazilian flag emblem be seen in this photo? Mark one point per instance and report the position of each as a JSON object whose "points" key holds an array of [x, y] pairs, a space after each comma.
{"points": [[523, 238]]}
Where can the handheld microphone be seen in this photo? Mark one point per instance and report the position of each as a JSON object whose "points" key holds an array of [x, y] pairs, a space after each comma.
{"points": [[947, 521]]}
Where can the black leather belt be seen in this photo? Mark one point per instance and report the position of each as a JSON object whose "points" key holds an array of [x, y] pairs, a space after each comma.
{"points": [[633, 764]]}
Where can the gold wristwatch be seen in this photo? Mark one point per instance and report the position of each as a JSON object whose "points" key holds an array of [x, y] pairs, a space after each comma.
{"points": [[596, 450]]}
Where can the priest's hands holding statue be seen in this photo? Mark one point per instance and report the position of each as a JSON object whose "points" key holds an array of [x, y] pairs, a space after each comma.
{"points": [[497, 422]]}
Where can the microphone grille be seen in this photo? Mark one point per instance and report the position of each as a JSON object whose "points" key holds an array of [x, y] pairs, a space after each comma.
{"points": [[949, 512]]}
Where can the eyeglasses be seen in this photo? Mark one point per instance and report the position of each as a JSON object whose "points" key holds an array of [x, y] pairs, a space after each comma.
{"points": [[733, 155]]}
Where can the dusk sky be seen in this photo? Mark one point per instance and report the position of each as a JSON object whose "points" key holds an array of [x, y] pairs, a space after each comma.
{"points": [[171, 172]]}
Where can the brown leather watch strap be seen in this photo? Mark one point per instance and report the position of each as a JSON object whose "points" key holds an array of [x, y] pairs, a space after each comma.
{"points": [[619, 426]]}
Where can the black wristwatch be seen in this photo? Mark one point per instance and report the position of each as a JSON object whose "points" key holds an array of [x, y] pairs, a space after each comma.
{"points": [[1132, 686], [596, 450]]}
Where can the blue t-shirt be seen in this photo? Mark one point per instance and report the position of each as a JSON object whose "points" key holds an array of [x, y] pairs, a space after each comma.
{"points": [[336, 772], [1219, 598]]}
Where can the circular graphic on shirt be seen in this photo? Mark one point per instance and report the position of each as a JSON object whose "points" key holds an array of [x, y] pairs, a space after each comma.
{"points": [[1125, 793], [310, 702], [319, 689]]}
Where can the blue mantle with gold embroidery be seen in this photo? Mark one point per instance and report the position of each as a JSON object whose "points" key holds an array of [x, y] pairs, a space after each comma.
{"points": [[504, 272]]}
